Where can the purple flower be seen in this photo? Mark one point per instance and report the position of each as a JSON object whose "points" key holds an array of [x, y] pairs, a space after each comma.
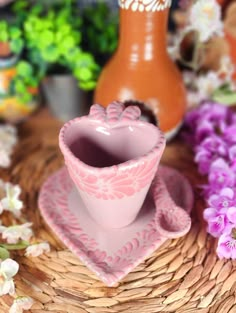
{"points": [[232, 153], [232, 157], [231, 214], [215, 112], [217, 225], [220, 175], [203, 130], [215, 145], [191, 118], [229, 134], [204, 159], [227, 244], [210, 149], [213, 134], [222, 201]]}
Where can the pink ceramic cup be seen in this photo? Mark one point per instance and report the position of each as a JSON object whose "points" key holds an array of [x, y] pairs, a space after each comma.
{"points": [[112, 158]]}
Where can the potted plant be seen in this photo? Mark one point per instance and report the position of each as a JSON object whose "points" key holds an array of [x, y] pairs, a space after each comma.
{"points": [[100, 31], [53, 39], [17, 77]]}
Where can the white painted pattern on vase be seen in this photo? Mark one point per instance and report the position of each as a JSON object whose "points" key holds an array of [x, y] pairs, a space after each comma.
{"points": [[145, 5]]}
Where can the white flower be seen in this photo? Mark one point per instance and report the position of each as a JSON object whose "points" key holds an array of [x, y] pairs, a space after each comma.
{"points": [[14, 233], [8, 136], [20, 304], [37, 249], [205, 17], [193, 99], [189, 77], [4, 157], [8, 269], [227, 68], [11, 202], [207, 84], [173, 46]]}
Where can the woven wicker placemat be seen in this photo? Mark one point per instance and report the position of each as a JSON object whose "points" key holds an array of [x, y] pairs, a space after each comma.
{"points": [[183, 276]]}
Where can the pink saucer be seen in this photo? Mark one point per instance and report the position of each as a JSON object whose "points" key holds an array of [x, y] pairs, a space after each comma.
{"points": [[110, 253]]}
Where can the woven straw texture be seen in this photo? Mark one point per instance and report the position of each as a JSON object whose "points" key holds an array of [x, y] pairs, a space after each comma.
{"points": [[183, 276]]}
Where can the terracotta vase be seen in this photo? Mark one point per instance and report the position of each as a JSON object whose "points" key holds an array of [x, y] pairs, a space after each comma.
{"points": [[230, 27], [141, 69]]}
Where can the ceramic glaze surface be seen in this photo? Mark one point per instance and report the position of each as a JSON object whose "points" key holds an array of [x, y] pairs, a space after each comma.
{"points": [[110, 253], [109, 164], [141, 69], [166, 212]]}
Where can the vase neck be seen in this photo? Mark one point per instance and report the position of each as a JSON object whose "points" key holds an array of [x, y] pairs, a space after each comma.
{"points": [[143, 34]]}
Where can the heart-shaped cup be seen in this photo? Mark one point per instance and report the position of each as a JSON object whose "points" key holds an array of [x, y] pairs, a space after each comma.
{"points": [[112, 158]]}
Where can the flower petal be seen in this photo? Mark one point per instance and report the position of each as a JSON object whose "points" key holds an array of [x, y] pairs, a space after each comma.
{"points": [[231, 214], [9, 267]]}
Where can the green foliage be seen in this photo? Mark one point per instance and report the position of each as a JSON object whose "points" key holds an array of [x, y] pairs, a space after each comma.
{"points": [[53, 39], [100, 31], [4, 254], [26, 78], [13, 35]]}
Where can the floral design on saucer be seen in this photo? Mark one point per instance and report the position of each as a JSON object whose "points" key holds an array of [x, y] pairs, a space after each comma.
{"points": [[64, 211]]}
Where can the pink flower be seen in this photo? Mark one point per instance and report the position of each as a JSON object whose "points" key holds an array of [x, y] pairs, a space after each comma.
{"points": [[203, 158], [221, 175], [227, 245], [217, 225], [230, 134], [224, 200]]}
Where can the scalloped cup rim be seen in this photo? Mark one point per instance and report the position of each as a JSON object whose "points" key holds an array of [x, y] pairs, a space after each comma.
{"points": [[161, 142]]}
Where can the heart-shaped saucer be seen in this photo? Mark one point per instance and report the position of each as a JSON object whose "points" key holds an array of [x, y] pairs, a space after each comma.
{"points": [[110, 253]]}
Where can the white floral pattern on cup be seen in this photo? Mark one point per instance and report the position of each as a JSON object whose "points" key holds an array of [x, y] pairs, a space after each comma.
{"points": [[145, 5]]}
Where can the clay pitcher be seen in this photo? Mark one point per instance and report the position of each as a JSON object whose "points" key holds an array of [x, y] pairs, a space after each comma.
{"points": [[141, 69]]}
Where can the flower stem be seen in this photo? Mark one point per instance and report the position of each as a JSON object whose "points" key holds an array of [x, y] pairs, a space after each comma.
{"points": [[19, 246]]}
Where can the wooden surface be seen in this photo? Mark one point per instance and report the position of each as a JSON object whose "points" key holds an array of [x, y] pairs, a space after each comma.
{"points": [[183, 276]]}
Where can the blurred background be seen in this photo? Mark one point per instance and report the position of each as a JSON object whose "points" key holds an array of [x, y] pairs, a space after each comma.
{"points": [[52, 52]]}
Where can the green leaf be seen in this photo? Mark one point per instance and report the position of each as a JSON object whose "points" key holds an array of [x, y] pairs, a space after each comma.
{"points": [[17, 45], [4, 36], [24, 69], [20, 5], [51, 54], [90, 85], [19, 246], [45, 39], [37, 9], [15, 32], [25, 98], [225, 98], [67, 44], [19, 86], [4, 254], [225, 95], [84, 74]]}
